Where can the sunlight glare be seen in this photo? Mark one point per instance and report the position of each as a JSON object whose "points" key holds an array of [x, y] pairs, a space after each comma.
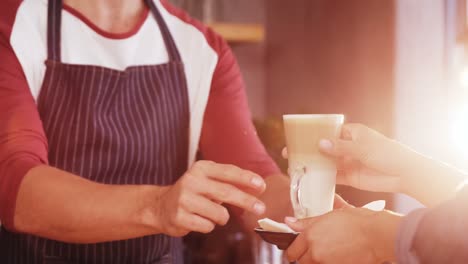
{"points": [[464, 77], [460, 132]]}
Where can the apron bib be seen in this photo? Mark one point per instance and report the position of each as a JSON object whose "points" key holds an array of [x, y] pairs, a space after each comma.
{"points": [[112, 127]]}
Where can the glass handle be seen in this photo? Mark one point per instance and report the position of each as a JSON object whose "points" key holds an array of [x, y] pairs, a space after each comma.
{"points": [[296, 178]]}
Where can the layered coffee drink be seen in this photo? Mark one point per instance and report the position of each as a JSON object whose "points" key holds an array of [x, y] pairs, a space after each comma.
{"points": [[313, 174]]}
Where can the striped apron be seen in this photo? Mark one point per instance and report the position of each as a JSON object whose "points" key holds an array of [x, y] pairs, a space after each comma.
{"points": [[112, 127]]}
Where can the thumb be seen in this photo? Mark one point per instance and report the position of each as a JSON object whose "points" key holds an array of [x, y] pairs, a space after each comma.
{"points": [[343, 148], [284, 153], [354, 142], [299, 225]]}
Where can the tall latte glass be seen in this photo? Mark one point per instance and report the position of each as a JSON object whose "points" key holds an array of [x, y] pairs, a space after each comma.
{"points": [[313, 175]]}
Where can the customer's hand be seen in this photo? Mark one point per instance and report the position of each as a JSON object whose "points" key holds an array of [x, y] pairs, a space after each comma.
{"points": [[349, 235], [195, 202], [368, 160]]}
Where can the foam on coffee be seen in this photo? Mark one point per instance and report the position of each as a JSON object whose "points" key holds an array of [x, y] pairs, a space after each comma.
{"points": [[303, 133]]}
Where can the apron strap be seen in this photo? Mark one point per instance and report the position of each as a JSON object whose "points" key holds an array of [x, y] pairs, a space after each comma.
{"points": [[171, 47], [54, 22]]}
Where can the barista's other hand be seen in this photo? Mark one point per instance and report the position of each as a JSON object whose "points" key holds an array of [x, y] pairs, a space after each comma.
{"points": [[196, 202]]}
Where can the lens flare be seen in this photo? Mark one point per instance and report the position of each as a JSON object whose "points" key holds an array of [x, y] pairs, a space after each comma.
{"points": [[459, 132]]}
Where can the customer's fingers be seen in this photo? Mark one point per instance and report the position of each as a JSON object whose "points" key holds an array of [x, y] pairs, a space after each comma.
{"points": [[354, 142], [341, 148], [340, 203], [307, 258], [298, 248], [284, 152], [300, 225]]}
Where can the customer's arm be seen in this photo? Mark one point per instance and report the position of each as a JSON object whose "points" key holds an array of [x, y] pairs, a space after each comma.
{"points": [[436, 235], [373, 162]]}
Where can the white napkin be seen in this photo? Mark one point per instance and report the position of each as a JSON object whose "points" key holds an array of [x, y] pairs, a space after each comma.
{"points": [[375, 205], [273, 226]]}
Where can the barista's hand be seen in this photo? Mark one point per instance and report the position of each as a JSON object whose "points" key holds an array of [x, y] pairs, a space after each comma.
{"points": [[194, 203], [349, 235]]}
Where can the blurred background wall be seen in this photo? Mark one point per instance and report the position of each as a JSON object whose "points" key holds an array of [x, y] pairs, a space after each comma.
{"points": [[333, 56], [395, 65], [421, 105]]}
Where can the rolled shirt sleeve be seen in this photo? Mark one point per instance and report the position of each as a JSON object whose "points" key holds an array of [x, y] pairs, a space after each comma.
{"points": [[405, 237], [228, 134]]}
